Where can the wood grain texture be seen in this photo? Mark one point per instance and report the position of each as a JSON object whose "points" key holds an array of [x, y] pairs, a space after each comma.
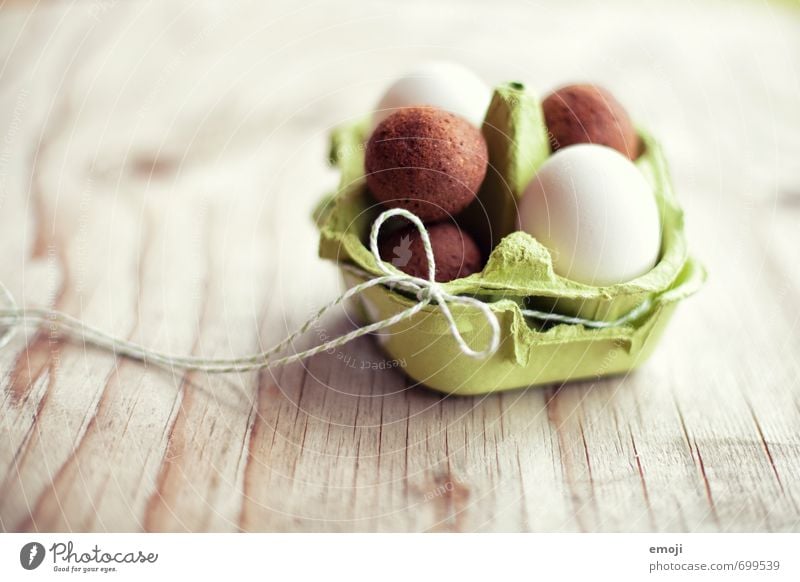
{"points": [[158, 165]]}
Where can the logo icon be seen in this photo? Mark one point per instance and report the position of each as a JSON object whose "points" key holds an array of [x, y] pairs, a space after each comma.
{"points": [[31, 555], [402, 252]]}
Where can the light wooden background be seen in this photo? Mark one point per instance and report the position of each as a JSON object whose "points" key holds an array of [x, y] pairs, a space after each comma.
{"points": [[158, 164]]}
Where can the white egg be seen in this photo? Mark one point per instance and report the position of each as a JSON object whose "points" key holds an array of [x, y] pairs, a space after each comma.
{"points": [[596, 213], [448, 86]]}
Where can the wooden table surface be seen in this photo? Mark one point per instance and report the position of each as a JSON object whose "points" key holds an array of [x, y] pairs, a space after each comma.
{"points": [[158, 165]]}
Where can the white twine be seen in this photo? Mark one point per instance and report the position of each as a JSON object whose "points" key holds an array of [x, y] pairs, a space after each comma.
{"points": [[427, 291], [637, 311]]}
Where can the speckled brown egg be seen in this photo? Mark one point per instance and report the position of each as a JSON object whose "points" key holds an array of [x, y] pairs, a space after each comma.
{"points": [[589, 114], [454, 251], [427, 161]]}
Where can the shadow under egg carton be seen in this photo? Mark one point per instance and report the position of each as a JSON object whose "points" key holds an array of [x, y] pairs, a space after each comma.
{"points": [[518, 274]]}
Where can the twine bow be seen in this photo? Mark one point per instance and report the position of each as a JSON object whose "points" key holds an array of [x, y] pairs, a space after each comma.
{"points": [[426, 291]]}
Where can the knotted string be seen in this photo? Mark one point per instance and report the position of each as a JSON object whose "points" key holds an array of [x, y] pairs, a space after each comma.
{"points": [[426, 291]]}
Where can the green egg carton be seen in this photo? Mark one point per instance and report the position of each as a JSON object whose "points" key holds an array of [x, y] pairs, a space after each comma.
{"points": [[518, 275]]}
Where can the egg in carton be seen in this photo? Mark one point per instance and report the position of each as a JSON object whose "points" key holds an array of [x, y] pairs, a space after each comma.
{"points": [[518, 277]]}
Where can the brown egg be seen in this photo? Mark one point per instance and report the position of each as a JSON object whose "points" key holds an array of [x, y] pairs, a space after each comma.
{"points": [[427, 161], [454, 251], [589, 114]]}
